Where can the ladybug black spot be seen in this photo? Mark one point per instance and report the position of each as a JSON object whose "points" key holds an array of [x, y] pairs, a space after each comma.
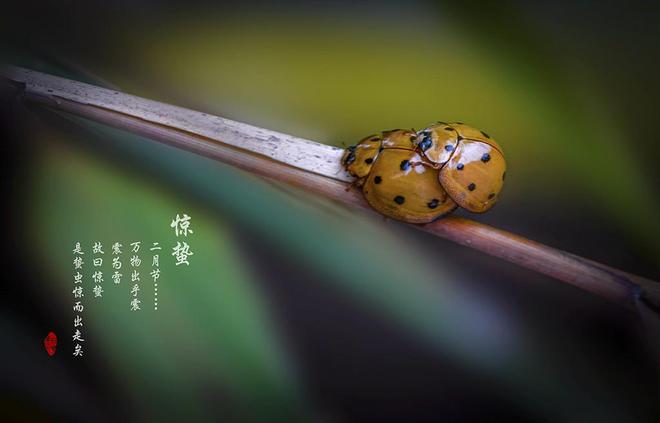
{"points": [[369, 160], [399, 199], [405, 165], [433, 203], [472, 186], [378, 180], [485, 134], [485, 158], [447, 128], [449, 147], [425, 144], [491, 195], [460, 166]]}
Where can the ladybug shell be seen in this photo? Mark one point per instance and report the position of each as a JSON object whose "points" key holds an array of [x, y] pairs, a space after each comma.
{"points": [[474, 175], [465, 131], [399, 138], [399, 189], [359, 158]]}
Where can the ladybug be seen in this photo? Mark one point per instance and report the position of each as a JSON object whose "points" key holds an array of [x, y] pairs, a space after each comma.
{"points": [[471, 164], [389, 168], [358, 159]]}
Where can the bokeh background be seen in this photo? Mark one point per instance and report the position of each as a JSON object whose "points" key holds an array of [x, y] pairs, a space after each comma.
{"points": [[298, 309]]}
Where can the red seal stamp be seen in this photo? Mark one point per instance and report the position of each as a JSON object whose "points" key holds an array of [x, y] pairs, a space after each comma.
{"points": [[50, 343]]}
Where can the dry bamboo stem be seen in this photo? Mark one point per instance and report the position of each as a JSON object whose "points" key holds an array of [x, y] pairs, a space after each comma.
{"points": [[609, 283]]}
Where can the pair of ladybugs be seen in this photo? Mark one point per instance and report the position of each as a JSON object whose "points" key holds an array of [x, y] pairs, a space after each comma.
{"points": [[418, 177]]}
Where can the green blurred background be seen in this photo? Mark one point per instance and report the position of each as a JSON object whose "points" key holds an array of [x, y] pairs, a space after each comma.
{"points": [[295, 308]]}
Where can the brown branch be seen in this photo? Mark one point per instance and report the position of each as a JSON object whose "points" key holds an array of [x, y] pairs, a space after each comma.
{"points": [[609, 283]]}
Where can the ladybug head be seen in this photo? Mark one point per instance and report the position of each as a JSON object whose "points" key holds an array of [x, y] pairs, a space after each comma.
{"points": [[437, 142]]}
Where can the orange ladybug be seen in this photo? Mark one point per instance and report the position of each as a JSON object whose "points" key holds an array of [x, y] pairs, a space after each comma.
{"points": [[472, 166]]}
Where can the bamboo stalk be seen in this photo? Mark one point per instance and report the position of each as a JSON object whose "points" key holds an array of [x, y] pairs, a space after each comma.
{"points": [[321, 177]]}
